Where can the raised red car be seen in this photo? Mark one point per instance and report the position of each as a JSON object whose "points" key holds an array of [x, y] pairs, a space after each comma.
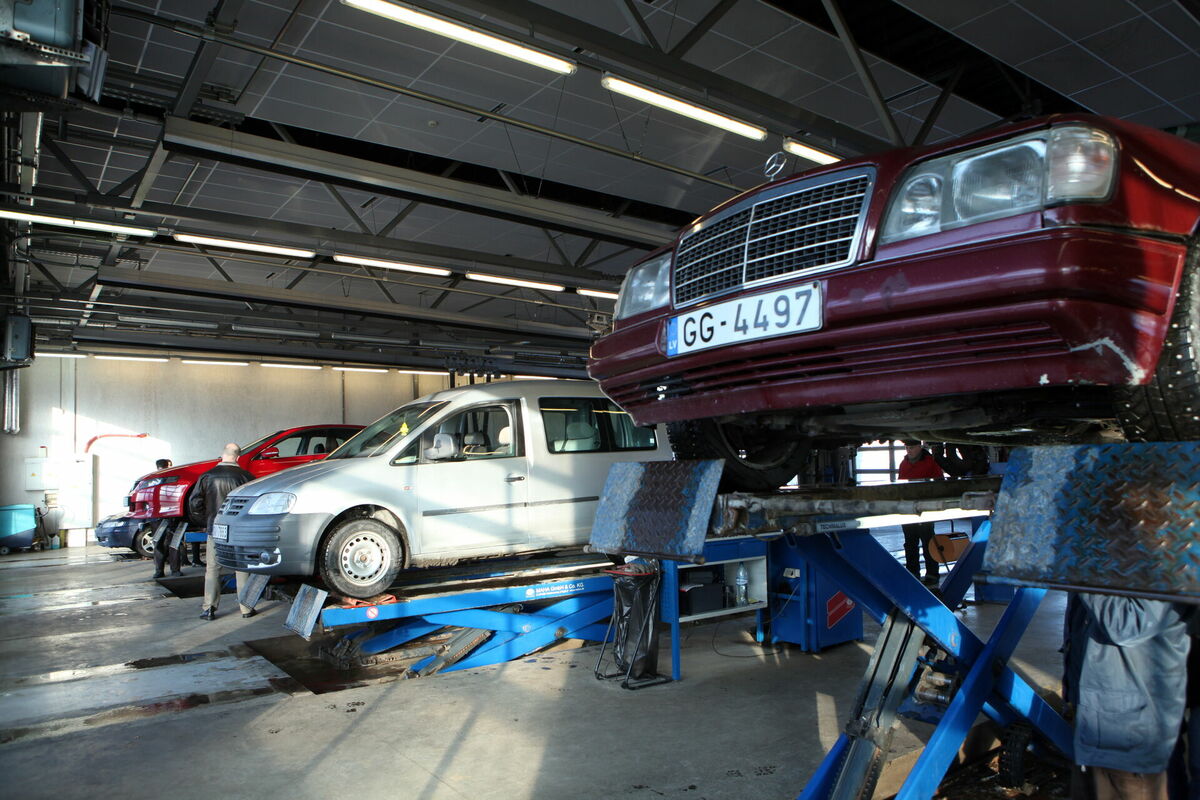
{"points": [[163, 494], [1036, 283]]}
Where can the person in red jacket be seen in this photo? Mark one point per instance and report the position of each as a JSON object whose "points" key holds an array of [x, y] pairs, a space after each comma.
{"points": [[919, 464]]}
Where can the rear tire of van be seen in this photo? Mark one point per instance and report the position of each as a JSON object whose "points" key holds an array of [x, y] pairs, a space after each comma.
{"points": [[1167, 409], [361, 558]]}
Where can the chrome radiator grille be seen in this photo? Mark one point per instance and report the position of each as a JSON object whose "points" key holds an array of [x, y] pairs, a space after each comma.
{"points": [[811, 228]]}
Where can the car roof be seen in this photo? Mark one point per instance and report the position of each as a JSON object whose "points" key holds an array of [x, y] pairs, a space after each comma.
{"points": [[506, 390]]}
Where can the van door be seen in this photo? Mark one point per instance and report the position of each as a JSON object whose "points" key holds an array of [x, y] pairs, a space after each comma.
{"points": [[475, 501], [581, 438]]}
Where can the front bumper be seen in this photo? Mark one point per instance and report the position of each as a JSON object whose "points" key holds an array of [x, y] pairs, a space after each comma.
{"points": [[1062, 307], [117, 534], [271, 544]]}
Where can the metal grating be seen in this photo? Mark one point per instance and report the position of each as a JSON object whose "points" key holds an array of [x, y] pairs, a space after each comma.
{"points": [[233, 505], [1112, 518], [814, 227]]}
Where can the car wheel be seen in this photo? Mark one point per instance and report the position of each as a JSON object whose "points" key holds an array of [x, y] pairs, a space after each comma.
{"points": [[143, 542], [361, 558], [1167, 409], [755, 461]]}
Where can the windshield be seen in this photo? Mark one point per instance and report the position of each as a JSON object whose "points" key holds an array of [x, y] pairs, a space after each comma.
{"points": [[247, 448], [385, 431]]}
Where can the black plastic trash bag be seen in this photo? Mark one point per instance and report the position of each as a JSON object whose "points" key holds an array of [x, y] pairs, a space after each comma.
{"points": [[635, 622]]}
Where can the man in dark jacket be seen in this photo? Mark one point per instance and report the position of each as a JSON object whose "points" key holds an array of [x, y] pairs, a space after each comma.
{"points": [[203, 503], [1125, 673]]}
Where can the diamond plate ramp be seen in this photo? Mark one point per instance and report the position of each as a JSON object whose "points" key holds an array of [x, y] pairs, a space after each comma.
{"points": [[1115, 518], [656, 508]]}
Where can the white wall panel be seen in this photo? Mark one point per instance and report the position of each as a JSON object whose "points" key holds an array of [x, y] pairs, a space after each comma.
{"points": [[188, 412]]}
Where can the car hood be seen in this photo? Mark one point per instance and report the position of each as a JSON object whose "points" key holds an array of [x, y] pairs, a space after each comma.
{"points": [[192, 471], [290, 479]]}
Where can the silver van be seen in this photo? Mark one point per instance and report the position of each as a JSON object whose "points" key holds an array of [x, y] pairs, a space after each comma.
{"points": [[478, 471]]}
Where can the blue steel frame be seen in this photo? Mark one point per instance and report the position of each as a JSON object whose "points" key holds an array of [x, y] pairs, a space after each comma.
{"points": [[579, 606], [715, 550], [876, 580]]}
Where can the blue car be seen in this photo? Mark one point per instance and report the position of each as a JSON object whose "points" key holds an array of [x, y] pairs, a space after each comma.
{"points": [[123, 531]]}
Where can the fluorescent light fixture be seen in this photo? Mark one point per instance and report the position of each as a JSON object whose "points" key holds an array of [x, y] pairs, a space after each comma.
{"points": [[132, 358], [296, 334], [379, 262], [359, 369], [443, 373], [291, 366], [59, 355], [597, 293], [532, 378], [217, 363], [179, 323], [809, 153], [461, 33], [82, 224], [234, 244], [546, 287], [683, 108], [354, 337]]}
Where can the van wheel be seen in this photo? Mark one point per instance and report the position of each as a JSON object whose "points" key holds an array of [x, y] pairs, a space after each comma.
{"points": [[361, 558], [1167, 409], [143, 542], [755, 461]]}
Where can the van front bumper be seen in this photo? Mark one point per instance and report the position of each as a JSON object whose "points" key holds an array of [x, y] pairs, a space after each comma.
{"points": [[271, 544]]}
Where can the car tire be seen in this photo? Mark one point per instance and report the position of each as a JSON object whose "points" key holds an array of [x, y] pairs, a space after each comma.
{"points": [[1167, 409], [753, 462], [143, 542], [361, 558]]}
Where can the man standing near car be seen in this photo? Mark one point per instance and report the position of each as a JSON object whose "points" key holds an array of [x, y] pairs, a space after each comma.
{"points": [[203, 503], [919, 464]]}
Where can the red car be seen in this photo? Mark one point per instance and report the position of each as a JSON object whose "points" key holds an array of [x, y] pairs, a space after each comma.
{"points": [[163, 494], [1032, 284]]}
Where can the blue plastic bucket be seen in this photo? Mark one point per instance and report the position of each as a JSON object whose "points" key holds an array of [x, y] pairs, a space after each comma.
{"points": [[17, 526]]}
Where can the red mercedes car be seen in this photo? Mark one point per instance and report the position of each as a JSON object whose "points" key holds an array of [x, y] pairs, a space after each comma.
{"points": [[1036, 283], [163, 494]]}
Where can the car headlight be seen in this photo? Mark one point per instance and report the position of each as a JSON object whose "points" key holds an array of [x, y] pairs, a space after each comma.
{"points": [[647, 286], [273, 503], [1026, 173], [159, 481]]}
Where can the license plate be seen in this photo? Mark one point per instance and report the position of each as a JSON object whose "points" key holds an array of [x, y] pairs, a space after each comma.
{"points": [[760, 316], [220, 531]]}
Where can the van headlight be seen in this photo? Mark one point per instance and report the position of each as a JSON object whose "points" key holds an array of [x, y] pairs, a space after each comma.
{"points": [[1064, 164], [273, 503], [647, 286]]}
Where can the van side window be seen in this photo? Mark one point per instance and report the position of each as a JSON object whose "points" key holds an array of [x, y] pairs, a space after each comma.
{"points": [[482, 432], [591, 425]]}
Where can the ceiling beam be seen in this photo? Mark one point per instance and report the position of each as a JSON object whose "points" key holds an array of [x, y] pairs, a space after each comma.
{"points": [[864, 72], [200, 287], [618, 50], [234, 225], [222, 17], [188, 29], [702, 27], [181, 135], [150, 174], [206, 344]]}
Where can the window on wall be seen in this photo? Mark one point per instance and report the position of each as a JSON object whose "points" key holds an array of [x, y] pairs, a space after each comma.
{"points": [[591, 425]]}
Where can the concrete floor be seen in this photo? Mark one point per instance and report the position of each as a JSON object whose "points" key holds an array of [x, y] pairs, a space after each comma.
{"points": [[95, 701]]}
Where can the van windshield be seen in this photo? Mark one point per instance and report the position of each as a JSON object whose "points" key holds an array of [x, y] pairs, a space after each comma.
{"points": [[385, 431]]}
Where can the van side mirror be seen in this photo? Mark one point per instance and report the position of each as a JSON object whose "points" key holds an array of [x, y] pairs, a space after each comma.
{"points": [[269, 452], [442, 449]]}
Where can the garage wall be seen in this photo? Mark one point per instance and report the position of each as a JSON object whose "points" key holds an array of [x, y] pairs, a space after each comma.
{"points": [[187, 411]]}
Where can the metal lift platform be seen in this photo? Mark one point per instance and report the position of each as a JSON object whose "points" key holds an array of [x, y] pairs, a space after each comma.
{"points": [[1117, 519], [487, 613]]}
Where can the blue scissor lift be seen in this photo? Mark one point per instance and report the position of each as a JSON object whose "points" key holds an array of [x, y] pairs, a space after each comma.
{"points": [[1116, 519], [498, 611]]}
